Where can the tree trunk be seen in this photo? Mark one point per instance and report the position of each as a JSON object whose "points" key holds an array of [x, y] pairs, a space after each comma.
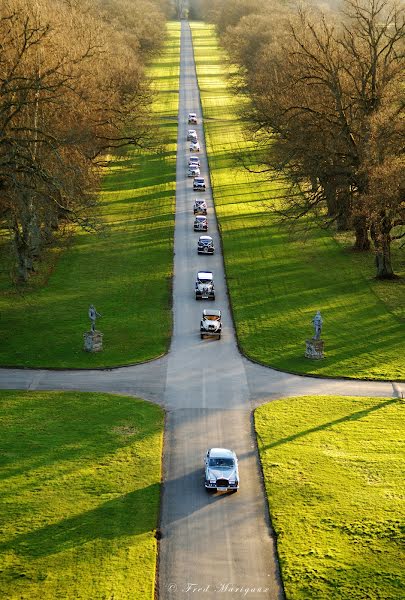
{"points": [[22, 253], [381, 236], [383, 264], [362, 242]]}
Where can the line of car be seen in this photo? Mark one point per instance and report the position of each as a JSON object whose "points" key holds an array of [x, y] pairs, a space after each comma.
{"points": [[221, 464]]}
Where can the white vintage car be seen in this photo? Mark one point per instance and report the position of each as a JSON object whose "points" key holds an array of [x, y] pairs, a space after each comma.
{"points": [[199, 184], [205, 245], [221, 470], [194, 160], [192, 118], [193, 171], [204, 286], [194, 146], [200, 223], [191, 134], [200, 206], [211, 324]]}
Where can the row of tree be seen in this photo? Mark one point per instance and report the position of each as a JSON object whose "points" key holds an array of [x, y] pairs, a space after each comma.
{"points": [[326, 97], [72, 86]]}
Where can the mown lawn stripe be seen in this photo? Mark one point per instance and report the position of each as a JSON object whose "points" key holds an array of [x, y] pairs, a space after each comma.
{"points": [[80, 492], [333, 475]]}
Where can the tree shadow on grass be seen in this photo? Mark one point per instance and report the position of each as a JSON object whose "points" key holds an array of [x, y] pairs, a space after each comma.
{"points": [[131, 514], [352, 417]]}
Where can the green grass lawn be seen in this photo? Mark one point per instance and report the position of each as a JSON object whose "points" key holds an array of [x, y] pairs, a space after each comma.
{"points": [[125, 272], [333, 471], [80, 490], [278, 279]]}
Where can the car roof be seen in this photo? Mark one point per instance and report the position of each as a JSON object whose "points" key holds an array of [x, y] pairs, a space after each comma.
{"points": [[199, 201], [192, 114], [221, 453], [211, 311], [199, 179], [205, 237], [204, 275]]}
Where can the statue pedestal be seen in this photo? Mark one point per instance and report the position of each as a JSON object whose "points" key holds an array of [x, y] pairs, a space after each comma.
{"points": [[314, 349], [93, 341]]}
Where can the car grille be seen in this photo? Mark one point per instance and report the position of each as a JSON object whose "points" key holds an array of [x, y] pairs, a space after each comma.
{"points": [[222, 483]]}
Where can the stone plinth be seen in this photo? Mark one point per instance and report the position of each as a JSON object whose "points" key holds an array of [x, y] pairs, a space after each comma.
{"points": [[93, 341], [314, 349]]}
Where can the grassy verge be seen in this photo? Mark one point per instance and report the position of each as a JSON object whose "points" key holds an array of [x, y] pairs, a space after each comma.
{"points": [[332, 470], [80, 488], [278, 280], [125, 272]]}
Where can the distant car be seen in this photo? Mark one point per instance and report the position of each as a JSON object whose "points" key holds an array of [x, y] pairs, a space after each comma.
{"points": [[193, 171], [200, 223], [211, 324], [200, 207], [204, 286], [194, 147], [205, 245], [199, 184], [221, 470], [192, 118], [191, 134], [194, 160]]}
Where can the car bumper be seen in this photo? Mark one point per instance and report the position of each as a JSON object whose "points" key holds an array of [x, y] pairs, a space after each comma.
{"points": [[213, 486], [205, 251], [213, 333]]}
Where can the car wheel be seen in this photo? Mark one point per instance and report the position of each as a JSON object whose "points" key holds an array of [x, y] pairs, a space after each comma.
{"points": [[234, 491], [202, 336], [213, 297], [219, 336]]}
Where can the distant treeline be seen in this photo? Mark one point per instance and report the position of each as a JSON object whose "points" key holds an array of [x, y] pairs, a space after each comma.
{"points": [[72, 87], [326, 104]]}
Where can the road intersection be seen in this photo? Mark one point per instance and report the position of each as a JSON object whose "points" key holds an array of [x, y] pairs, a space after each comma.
{"points": [[210, 543]]}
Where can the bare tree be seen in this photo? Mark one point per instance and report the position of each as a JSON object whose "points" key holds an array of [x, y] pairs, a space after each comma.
{"points": [[71, 88], [318, 91]]}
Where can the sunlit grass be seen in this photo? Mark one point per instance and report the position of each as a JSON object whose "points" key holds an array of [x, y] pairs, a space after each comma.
{"points": [[278, 279], [80, 488], [333, 475], [125, 272]]}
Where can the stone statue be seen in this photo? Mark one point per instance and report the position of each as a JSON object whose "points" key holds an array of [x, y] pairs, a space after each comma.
{"points": [[93, 314], [317, 322]]}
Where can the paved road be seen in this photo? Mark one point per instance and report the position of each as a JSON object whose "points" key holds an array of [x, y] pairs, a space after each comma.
{"points": [[207, 540], [209, 391]]}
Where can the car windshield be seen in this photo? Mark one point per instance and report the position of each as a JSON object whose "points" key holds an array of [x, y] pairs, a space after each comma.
{"points": [[212, 318], [224, 463], [204, 280]]}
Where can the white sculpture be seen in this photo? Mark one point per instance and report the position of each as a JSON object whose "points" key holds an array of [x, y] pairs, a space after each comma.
{"points": [[93, 314], [317, 322]]}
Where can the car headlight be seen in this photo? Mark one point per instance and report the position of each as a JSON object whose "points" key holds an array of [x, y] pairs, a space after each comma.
{"points": [[212, 480]]}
